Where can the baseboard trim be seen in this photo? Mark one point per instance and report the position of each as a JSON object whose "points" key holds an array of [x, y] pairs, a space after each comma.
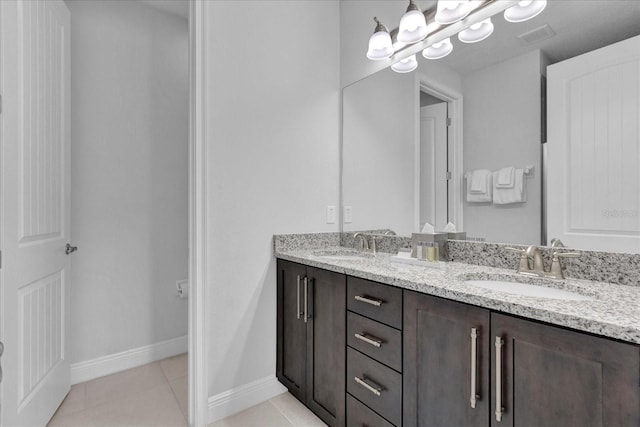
{"points": [[240, 398], [110, 364]]}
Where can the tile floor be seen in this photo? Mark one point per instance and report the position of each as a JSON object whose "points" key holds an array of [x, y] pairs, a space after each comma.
{"points": [[156, 395]]}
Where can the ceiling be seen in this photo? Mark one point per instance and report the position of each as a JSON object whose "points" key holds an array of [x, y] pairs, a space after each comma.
{"points": [[579, 25]]}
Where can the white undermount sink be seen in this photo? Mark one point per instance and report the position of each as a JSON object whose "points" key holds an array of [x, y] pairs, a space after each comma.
{"points": [[528, 290]]}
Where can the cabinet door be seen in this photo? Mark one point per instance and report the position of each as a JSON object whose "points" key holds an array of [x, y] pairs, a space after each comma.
{"points": [[441, 370], [326, 345], [550, 376], [291, 335]]}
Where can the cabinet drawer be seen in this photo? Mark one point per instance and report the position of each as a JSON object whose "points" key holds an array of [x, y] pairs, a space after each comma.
{"points": [[377, 386], [375, 300], [359, 415], [381, 342]]}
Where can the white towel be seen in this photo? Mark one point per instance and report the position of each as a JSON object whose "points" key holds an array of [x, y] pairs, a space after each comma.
{"points": [[515, 194], [506, 177], [479, 181], [480, 197]]}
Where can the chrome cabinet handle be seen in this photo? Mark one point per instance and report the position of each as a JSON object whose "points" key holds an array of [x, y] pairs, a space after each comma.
{"points": [[375, 302], [298, 296], [474, 367], [70, 249], [373, 388], [499, 408], [369, 340], [306, 300]]}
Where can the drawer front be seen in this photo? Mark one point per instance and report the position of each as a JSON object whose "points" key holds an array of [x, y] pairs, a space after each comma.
{"points": [[375, 300], [378, 341], [382, 387], [359, 415]]}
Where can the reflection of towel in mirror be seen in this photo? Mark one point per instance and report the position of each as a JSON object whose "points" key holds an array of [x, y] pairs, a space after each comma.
{"points": [[506, 177], [479, 181], [483, 189], [515, 194]]}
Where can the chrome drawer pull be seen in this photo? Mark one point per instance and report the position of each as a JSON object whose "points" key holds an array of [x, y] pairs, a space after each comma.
{"points": [[298, 294], [499, 408], [306, 300], [369, 340], [474, 367], [375, 389], [375, 302]]}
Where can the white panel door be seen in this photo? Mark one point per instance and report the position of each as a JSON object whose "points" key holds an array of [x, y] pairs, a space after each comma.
{"points": [[35, 136], [593, 190], [432, 192]]}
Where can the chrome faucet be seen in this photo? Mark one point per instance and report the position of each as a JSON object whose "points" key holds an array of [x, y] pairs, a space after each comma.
{"points": [[532, 264], [364, 243]]}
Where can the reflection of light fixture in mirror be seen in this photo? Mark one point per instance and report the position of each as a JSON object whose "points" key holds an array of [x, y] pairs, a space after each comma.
{"points": [[413, 25], [477, 32], [380, 46], [450, 11], [524, 10], [405, 65], [438, 50]]}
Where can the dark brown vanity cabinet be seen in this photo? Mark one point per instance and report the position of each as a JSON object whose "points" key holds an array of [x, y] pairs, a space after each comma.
{"points": [[446, 361], [549, 376], [519, 373], [374, 354], [311, 324]]}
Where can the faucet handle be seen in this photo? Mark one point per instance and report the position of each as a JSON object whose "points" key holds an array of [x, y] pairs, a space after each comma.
{"points": [[556, 268], [524, 259], [566, 254]]}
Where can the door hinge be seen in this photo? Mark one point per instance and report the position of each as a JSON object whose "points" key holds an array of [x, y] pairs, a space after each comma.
{"points": [[448, 176], [448, 121]]}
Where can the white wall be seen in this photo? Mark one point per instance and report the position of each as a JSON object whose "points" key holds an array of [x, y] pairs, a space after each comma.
{"points": [[129, 176], [502, 128], [273, 92]]}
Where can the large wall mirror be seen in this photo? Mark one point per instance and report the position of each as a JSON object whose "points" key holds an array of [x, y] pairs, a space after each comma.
{"points": [[404, 164]]}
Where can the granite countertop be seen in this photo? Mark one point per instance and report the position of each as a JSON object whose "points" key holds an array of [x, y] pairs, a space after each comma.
{"points": [[613, 311]]}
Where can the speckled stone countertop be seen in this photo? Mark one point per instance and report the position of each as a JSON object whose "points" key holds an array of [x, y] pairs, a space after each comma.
{"points": [[613, 311]]}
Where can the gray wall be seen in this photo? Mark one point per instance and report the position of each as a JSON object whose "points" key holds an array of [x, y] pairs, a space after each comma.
{"points": [[502, 128], [129, 176], [273, 114]]}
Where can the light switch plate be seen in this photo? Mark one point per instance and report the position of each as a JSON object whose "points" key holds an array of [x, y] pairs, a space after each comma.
{"points": [[348, 214], [331, 214]]}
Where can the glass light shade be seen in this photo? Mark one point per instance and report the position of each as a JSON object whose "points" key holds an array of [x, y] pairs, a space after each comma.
{"points": [[477, 32], [525, 10], [405, 65], [438, 50], [450, 11], [413, 25], [380, 46]]}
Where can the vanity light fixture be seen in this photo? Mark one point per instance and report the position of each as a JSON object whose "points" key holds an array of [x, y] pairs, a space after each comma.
{"points": [[476, 32], [450, 11], [438, 50], [471, 19], [413, 25], [380, 45], [405, 65], [525, 10]]}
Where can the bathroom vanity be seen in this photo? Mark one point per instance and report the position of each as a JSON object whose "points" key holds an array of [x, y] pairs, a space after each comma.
{"points": [[364, 341]]}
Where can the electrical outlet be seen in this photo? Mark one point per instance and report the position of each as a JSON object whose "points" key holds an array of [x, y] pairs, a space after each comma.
{"points": [[348, 214], [331, 214]]}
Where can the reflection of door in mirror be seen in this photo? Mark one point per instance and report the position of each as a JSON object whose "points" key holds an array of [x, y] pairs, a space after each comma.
{"points": [[432, 188], [594, 148]]}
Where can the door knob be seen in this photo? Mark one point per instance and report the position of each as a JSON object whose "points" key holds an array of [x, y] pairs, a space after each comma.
{"points": [[70, 249]]}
